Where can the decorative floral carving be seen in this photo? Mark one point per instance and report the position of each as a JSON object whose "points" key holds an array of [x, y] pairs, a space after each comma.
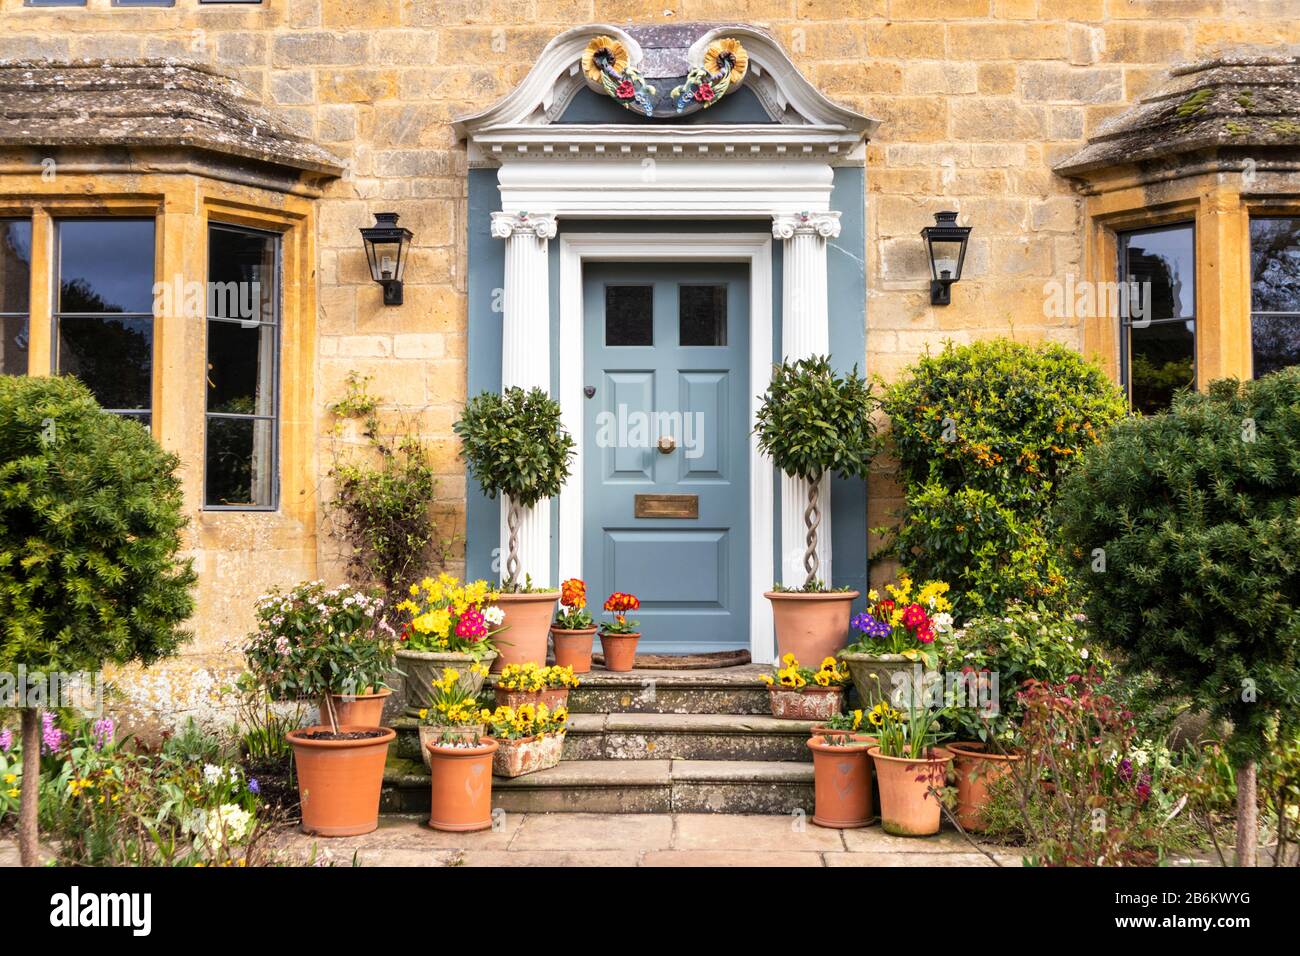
{"points": [[606, 62], [724, 67]]}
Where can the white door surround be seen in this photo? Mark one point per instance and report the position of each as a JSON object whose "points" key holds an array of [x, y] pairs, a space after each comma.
{"points": [[780, 172]]}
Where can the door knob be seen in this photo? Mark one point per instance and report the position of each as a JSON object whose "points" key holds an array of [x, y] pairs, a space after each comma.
{"points": [[667, 443]]}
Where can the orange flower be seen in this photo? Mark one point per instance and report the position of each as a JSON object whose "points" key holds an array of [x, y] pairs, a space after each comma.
{"points": [[573, 593]]}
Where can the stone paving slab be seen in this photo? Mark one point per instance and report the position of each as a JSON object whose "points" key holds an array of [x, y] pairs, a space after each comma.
{"points": [[594, 831], [730, 858], [717, 831]]}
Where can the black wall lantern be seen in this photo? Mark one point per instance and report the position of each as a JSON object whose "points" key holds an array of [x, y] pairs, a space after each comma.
{"points": [[946, 243], [387, 245]]}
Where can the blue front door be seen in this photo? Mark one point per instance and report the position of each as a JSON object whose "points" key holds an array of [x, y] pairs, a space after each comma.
{"points": [[666, 462]]}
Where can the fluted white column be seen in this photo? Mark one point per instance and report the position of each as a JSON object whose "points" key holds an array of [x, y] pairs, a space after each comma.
{"points": [[526, 361], [805, 331]]}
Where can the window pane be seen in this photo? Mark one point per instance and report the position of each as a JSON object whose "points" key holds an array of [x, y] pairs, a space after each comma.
{"points": [[702, 314], [113, 356], [629, 315], [1165, 259], [1275, 342], [106, 265], [15, 265], [13, 345], [240, 363], [241, 275], [1161, 361], [237, 470], [1275, 265]]}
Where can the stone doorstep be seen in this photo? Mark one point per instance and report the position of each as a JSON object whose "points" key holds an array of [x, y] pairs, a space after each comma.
{"points": [[622, 736], [629, 786], [634, 736]]}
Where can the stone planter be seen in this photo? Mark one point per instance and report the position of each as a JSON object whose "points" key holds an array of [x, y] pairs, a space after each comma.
{"points": [[432, 734], [422, 668], [514, 758], [552, 697], [873, 674], [810, 703]]}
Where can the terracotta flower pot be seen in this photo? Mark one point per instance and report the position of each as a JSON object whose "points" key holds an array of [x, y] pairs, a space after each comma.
{"points": [[619, 650], [528, 620], [812, 627], [432, 733], [975, 769], [873, 674], [422, 668], [573, 648], [339, 780], [907, 808], [842, 783], [821, 730], [461, 781], [524, 755], [359, 710], [810, 703], [552, 697]]}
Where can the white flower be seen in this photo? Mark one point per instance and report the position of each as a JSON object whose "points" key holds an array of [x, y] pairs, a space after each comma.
{"points": [[212, 773], [227, 825], [494, 615], [1084, 653], [943, 621]]}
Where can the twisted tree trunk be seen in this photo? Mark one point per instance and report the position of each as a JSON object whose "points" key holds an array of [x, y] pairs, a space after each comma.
{"points": [[29, 836], [512, 559], [1247, 815], [812, 517]]}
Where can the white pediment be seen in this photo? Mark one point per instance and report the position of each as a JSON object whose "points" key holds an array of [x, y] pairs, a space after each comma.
{"points": [[800, 122]]}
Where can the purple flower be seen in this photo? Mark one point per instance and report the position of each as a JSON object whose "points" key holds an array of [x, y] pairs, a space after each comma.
{"points": [[1126, 770], [253, 786], [870, 626], [52, 737], [102, 732], [6, 740]]}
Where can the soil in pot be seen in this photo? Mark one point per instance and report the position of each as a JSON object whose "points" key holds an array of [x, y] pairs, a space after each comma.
{"points": [[810, 703], [573, 648], [812, 627], [360, 710], [907, 807], [842, 783], [340, 776], [527, 622], [619, 651], [975, 769], [436, 734], [461, 782]]}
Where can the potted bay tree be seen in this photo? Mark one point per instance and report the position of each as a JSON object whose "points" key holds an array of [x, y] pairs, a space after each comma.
{"points": [[516, 446], [812, 423]]}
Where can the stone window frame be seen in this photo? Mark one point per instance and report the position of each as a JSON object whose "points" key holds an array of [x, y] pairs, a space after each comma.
{"points": [[1220, 205], [183, 205]]}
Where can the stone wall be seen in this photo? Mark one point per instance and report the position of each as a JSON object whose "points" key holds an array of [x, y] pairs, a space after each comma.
{"points": [[976, 98]]}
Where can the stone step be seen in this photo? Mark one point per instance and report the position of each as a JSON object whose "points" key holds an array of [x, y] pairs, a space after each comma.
{"points": [[722, 690], [623, 736], [628, 786]]}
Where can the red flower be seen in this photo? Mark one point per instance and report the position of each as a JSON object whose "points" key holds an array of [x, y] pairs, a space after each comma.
{"points": [[704, 93], [625, 90]]}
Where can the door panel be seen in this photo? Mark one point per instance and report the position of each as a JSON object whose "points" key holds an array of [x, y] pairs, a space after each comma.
{"points": [[667, 348]]}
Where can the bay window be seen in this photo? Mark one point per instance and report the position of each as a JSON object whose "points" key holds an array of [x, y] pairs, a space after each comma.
{"points": [[1274, 294], [15, 295], [1157, 272]]}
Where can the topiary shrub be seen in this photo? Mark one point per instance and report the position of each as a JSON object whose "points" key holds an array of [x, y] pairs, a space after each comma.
{"points": [[983, 434], [90, 538], [515, 445], [813, 421], [1185, 528]]}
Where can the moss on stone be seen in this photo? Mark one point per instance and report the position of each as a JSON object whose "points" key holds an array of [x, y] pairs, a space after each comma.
{"points": [[1194, 103]]}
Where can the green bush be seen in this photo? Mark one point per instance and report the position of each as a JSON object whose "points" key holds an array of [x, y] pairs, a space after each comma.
{"points": [[515, 445], [812, 422], [90, 542], [1185, 528], [983, 434]]}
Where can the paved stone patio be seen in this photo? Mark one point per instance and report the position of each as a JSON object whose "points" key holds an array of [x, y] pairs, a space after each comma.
{"points": [[648, 839]]}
